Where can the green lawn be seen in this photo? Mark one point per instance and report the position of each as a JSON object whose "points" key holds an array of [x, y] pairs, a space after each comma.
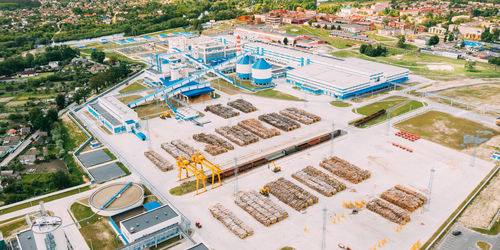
{"points": [[111, 155], [47, 199], [125, 169], [184, 188], [44, 74], [128, 99], [97, 232], [379, 38], [483, 245], [384, 104], [340, 104], [271, 93], [494, 230], [11, 228], [77, 135], [443, 128], [345, 53], [132, 87], [321, 33]]}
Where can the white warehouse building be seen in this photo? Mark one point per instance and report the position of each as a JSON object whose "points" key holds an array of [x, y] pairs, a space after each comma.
{"points": [[337, 77], [114, 115]]}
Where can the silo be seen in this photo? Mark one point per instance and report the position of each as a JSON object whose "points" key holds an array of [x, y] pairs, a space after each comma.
{"points": [[261, 72], [244, 67]]}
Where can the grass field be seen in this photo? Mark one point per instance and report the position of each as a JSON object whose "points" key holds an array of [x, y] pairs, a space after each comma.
{"points": [[384, 104], [97, 232], [150, 109], [443, 128], [44, 74], [132, 87], [77, 135], [47, 199], [184, 188], [483, 245], [379, 38], [13, 226], [128, 99], [340, 104], [226, 87], [483, 94], [321, 33], [271, 93]]}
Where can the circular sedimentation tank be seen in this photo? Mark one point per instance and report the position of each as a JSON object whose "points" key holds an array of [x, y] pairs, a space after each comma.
{"points": [[102, 201]]}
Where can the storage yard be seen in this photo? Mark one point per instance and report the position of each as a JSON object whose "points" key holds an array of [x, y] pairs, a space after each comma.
{"points": [[386, 186]]}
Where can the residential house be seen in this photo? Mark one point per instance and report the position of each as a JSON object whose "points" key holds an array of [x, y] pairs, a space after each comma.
{"points": [[437, 30]]}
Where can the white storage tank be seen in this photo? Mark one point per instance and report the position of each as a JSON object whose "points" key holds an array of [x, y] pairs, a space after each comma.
{"points": [[261, 72], [175, 72], [244, 67]]}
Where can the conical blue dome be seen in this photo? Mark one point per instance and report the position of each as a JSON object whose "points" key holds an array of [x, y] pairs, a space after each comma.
{"points": [[261, 64], [246, 60]]}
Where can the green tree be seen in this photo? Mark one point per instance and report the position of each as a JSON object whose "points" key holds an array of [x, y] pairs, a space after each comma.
{"points": [[451, 37], [401, 42], [469, 65], [433, 40], [61, 180], [98, 56], [285, 41], [60, 101]]}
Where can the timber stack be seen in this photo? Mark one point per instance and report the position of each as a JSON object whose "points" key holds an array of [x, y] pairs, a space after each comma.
{"points": [[389, 211], [256, 127], [158, 160], [233, 223], [173, 150], [291, 194], [300, 115], [260, 207], [404, 198], [237, 134], [319, 181], [215, 145], [242, 105], [279, 121], [222, 111], [345, 170]]}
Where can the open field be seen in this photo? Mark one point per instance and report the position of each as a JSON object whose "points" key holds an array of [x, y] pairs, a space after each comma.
{"points": [[13, 225], [340, 104], [77, 135], [388, 165], [483, 94], [96, 229], [128, 99], [379, 38], [132, 87], [150, 109], [407, 106], [484, 207], [321, 33], [443, 128], [271, 93]]}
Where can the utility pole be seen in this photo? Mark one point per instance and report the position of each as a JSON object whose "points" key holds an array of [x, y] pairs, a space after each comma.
{"points": [[431, 179], [476, 141], [235, 176], [389, 119], [333, 138], [323, 238]]}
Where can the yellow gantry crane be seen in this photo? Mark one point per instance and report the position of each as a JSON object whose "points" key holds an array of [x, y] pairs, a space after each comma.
{"points": [[199, 159], [183, 163]]}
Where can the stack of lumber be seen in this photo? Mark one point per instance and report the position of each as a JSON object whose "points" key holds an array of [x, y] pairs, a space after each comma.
{"points": [[242, 105], [233, 223], [215, 145], [173, 150], [237, 134], [184, 147], [279, 121], [159, 161], [222, 111], [345, 170], [404, 198], [300, 115], [291, 194], [319, 181], [256, 127], [260, 207], [389, 211]]}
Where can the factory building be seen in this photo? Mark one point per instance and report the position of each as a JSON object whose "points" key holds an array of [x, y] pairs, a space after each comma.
{"points": [[336, 77], [28, 240], [162, 218], [114, 115], [206, 49]]}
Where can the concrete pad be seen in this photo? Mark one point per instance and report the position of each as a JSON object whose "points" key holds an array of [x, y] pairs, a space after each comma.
{"points": [[106, 172], [93, 158]]}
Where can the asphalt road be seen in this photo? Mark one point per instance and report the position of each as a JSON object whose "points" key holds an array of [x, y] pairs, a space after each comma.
{"points": [[467, 240]]}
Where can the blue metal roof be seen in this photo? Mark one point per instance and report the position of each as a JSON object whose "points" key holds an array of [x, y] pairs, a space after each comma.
{"points": [[261, 64], [246, 60], [152, 205], [196, 92]]}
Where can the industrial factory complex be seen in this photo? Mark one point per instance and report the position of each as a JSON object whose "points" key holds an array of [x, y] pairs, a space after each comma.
{"points": [[246, 140]]}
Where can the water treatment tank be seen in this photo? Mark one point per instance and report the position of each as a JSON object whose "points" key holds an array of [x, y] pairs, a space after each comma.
{"points": [[261, 72], [244, 67]]}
